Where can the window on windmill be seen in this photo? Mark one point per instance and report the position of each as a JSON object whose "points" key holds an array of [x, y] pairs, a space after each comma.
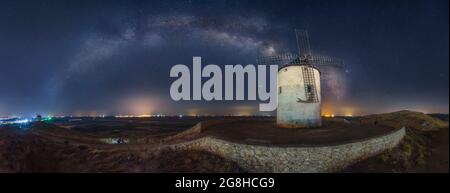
{"points": [[279, 90], [309, 88]]}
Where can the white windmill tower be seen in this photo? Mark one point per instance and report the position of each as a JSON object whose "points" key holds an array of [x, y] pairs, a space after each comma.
{"points": [[299, 84]]}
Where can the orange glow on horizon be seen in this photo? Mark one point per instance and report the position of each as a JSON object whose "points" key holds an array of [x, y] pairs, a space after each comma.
{"points": [[331, 110], [139, 106]]}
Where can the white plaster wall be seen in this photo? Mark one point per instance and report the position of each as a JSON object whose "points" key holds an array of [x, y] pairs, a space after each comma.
{"points": [[291, 113]]}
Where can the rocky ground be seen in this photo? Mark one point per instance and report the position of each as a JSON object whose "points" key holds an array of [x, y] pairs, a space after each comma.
{"points": [[424, 149], [31, 153]]}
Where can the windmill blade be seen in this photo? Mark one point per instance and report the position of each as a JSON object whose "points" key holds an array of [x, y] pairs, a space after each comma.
{"points": [[321, 61], [303, 42], [280, 60], [333, 76]]}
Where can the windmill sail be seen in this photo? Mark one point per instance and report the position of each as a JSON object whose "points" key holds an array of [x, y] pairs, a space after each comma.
{"points": [[324, 63], [321, 61], [280, 60], [331, 69], [310, 85], [303, 42]]}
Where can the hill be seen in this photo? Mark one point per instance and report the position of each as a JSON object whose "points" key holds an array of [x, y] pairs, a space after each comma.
{"points": [[409, 119], [424, 148]]}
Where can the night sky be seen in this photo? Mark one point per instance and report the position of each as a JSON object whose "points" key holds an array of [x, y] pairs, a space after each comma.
{"points": [[114, 57]]}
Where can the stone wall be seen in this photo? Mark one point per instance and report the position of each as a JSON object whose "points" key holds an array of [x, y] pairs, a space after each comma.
{"points": [[254, 158]]}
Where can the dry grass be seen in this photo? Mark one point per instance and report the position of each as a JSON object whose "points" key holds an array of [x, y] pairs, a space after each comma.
{"points": [[414, 152], [409, 119]]}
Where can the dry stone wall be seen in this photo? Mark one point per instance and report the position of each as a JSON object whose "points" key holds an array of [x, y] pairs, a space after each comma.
{"points": [[255, 158]]}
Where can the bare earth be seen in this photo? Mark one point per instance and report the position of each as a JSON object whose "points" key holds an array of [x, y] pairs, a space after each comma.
{"points": [[263, 131], [77, 146]]}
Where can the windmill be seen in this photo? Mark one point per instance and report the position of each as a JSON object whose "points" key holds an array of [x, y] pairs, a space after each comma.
{"points": [[299, 78]]}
